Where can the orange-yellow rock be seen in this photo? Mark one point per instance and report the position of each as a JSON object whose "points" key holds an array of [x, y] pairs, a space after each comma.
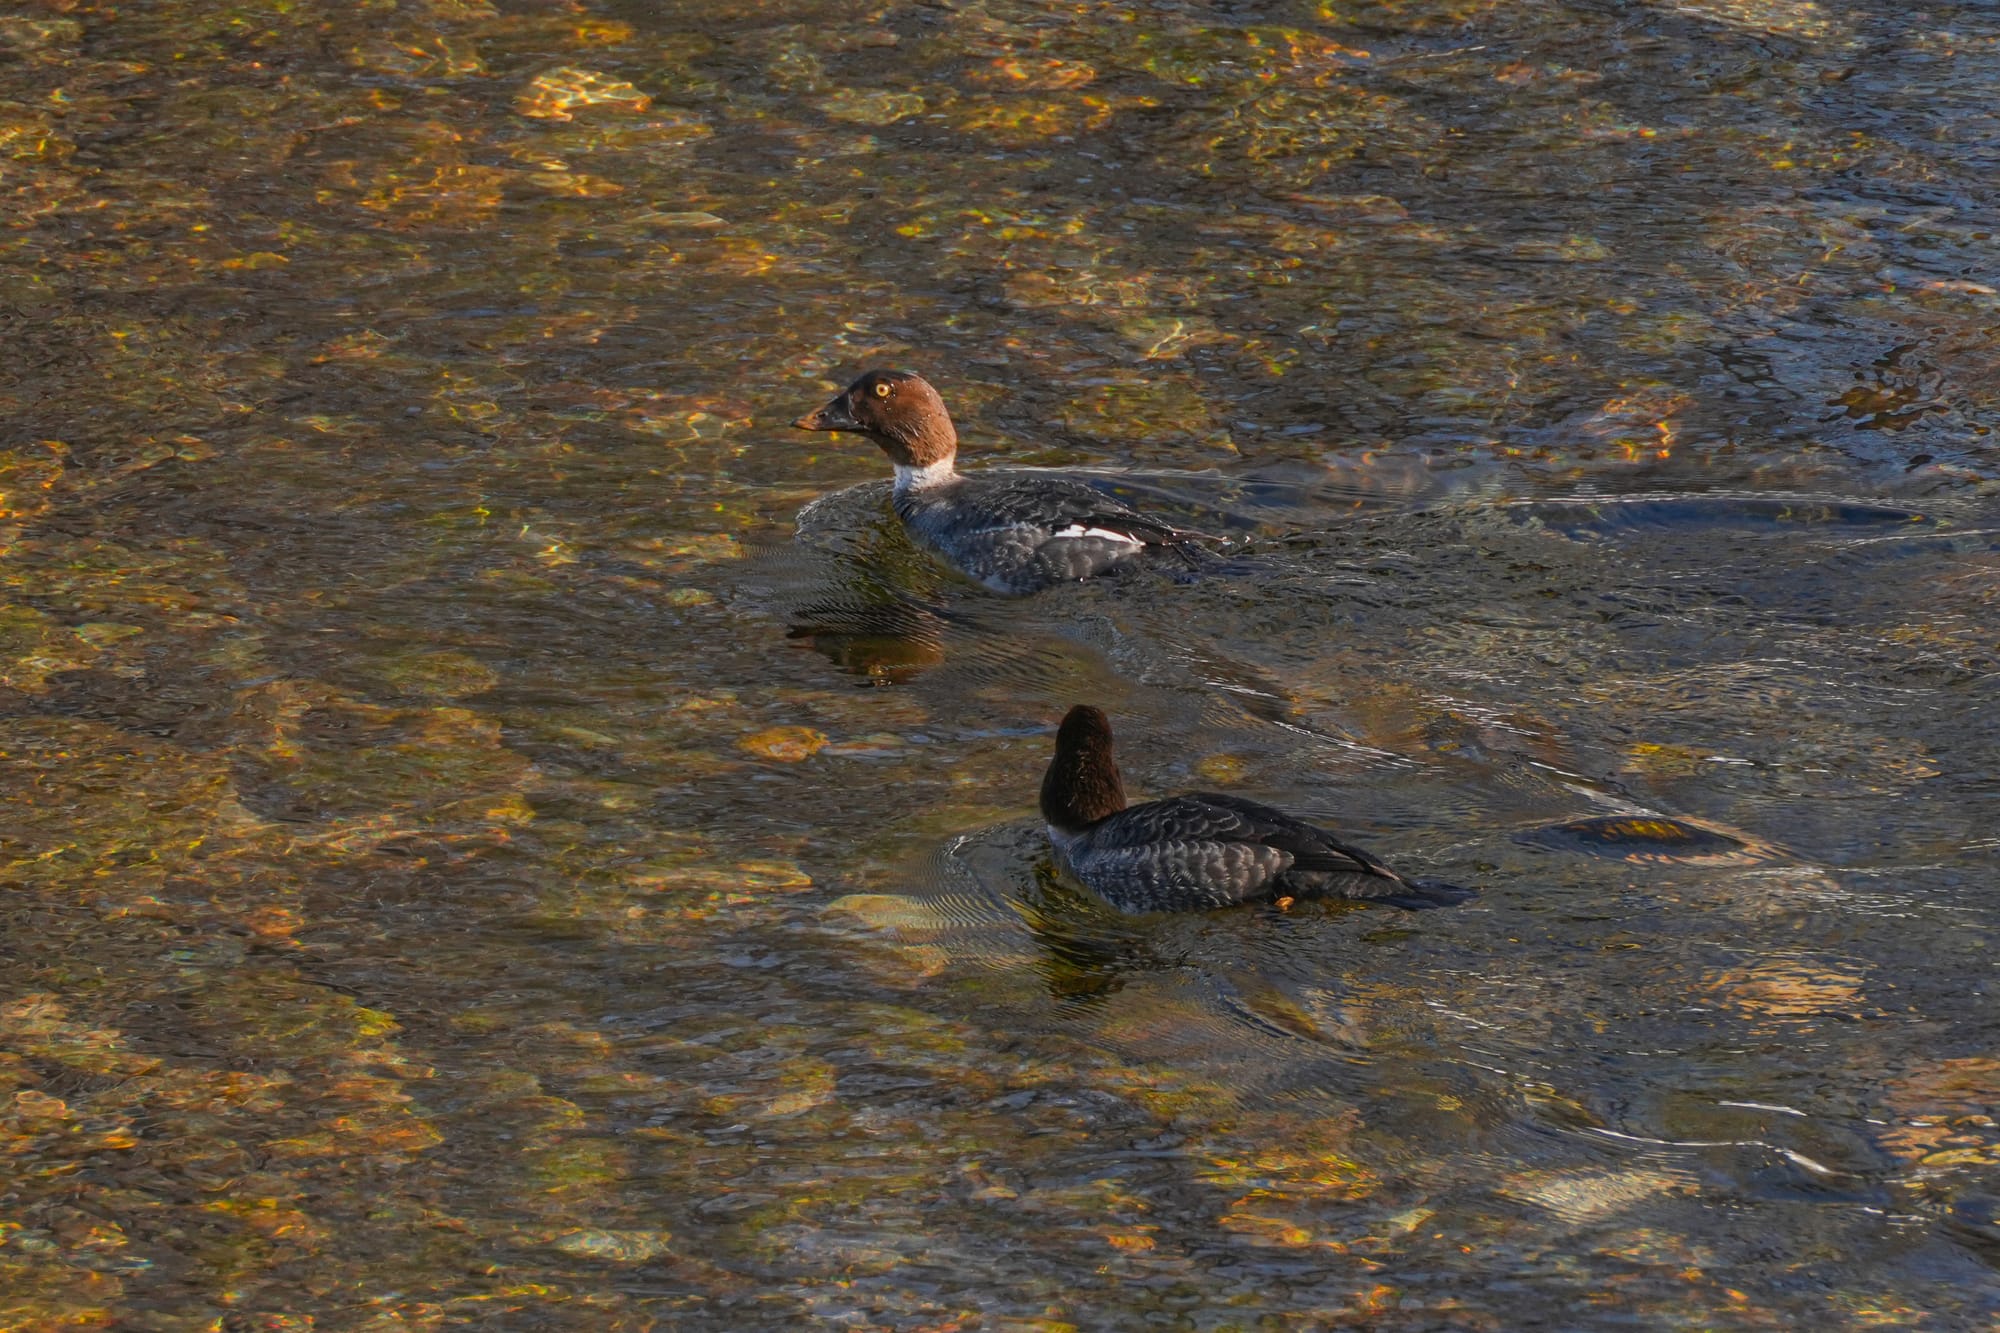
{"points": [[787, 745], [559, 93]]}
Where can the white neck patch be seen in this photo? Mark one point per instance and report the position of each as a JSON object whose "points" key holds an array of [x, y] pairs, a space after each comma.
{"points": [[916, 478]]}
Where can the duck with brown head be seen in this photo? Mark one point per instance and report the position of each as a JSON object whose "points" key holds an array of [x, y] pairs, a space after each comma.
{"points": [[1014, 532], [1202, 850]]}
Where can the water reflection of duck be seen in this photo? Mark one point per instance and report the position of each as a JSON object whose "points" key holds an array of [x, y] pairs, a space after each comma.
{"points": [[886, 642], [1202, 850], [1013, 532], [1090, 953]]}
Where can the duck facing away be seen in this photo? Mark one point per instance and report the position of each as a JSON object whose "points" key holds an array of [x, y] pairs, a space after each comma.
{"points": [[1013, 532], [1203, 850]]}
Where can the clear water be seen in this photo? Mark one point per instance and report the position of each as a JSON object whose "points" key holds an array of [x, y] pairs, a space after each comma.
{"points": [[476, 854]]}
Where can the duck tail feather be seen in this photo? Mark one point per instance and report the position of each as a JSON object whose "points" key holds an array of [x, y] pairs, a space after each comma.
{"points": [[1419, 895], [1191, 562]]}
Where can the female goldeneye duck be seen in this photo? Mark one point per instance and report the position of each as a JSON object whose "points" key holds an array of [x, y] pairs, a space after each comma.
{"points": [[1202, 850], [1015, 533]]}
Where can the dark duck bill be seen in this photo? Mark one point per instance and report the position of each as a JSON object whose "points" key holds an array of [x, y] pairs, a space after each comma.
{"points": [[1202, 850], [834, 416]]}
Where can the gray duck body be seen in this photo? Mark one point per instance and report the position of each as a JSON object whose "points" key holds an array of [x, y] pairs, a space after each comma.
{"points": [[1018, 533]]}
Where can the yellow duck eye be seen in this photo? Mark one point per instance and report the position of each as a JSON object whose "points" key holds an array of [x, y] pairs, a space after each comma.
{"points": [[881, 388]]}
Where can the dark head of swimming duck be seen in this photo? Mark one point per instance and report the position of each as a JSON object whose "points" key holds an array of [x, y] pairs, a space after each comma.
{"points": [[1082, 785]]}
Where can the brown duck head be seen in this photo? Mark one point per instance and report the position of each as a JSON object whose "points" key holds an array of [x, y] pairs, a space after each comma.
{"points": [[1082, 785]]}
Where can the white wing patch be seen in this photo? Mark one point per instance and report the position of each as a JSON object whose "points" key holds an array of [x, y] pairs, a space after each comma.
{"points": [[1104, 534]]}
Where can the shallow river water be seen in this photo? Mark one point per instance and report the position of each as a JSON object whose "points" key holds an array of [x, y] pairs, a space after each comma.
{"points": [[501, 832]]}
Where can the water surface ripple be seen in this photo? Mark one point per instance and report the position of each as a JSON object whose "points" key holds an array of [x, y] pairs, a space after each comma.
{"points": [[500, 832]]}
